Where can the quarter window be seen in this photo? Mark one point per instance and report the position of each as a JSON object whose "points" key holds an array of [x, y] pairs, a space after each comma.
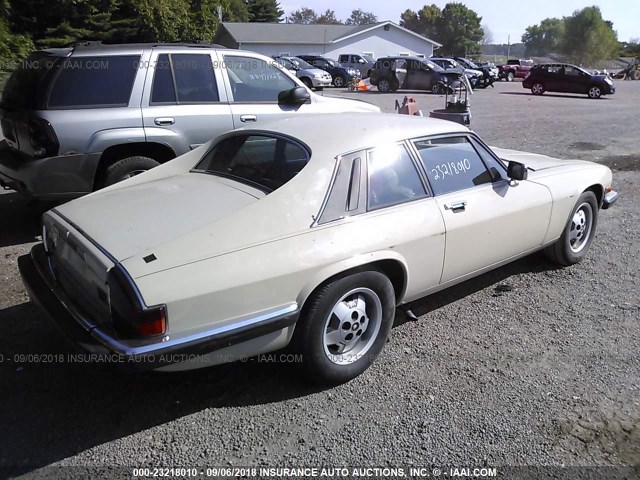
{"points": [[94, 82], [393, 177], [255, 80], [453, 164]]}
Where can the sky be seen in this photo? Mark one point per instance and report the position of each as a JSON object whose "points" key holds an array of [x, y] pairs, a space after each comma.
{"points": [[503, 17]]}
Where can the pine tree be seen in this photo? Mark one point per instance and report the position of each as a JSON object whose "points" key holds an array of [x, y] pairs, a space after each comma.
{"points": [[268, 11]]}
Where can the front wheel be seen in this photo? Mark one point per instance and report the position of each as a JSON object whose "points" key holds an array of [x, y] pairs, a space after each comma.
{"points": [[537, 89], [578, 234], [345, 326], [594, 92], [510, 76], [307, 82]]}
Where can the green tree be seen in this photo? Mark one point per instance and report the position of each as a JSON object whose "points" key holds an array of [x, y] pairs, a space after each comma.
{"points": [[459, 30], [304, 16], [268, 11], [328, 18], [587, 37], [423, 22], [544, 38], [235, 11], [360, 17]]}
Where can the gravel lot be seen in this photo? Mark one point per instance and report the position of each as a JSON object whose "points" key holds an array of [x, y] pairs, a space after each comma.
{"points": [[546, 373]]}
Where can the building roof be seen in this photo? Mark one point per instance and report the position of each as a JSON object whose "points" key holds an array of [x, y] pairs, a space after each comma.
{"points": [[295, 33]]}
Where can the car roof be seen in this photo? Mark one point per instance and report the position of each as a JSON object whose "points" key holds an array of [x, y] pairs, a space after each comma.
{"points": [[356, 131]]}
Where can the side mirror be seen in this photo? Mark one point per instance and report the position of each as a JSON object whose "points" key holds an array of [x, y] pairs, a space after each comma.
{"points": [[517, 171], [295, 96]]}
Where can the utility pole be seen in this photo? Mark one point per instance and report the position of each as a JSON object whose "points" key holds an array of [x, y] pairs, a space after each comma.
{"points": [[508, 46]]}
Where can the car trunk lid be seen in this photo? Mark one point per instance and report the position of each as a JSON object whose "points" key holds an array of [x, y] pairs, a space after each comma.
{"points": [[128, 222]]}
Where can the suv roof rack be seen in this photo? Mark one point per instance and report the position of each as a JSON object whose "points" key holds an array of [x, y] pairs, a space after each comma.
{"points": [[188, 43]]}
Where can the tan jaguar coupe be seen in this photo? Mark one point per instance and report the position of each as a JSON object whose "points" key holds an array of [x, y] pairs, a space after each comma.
{"points": [[307, 232]]}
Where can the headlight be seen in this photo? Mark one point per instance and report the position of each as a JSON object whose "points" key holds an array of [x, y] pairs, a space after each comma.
{"points": [[318, 75]]}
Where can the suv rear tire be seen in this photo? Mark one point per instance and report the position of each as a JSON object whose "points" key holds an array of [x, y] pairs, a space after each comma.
{"points": [[127, 168], [510, 76]]}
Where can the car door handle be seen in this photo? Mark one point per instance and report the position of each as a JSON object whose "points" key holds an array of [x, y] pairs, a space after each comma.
{"points": [[456, 206], [162, 121], [248, 118]]}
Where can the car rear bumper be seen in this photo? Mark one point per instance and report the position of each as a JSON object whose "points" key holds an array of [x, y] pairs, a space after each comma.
{"points": [[99, 340], [50, 178], [609, 199]]}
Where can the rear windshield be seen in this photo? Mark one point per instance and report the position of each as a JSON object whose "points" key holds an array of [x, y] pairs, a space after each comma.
{"points": [[262, 161], [26, 87]]}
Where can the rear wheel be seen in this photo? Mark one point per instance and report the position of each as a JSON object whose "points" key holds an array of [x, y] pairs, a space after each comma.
{"points": [[437, 89], [510, 76], [578, 234], [339, 81], [345, 326], [126, 168], [594, 92], [384, 85], [636, 75], [537, 88]]}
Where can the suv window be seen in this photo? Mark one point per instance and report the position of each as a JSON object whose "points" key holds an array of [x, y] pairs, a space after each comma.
{"points": [[255, 80], [104, 81], [393, 178], [190, 74], [262, 161], [25, 87], [453, 164]]}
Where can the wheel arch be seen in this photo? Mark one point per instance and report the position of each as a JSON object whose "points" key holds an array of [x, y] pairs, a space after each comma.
{"points": [[598, 191], [393, 266], [157, 151]]}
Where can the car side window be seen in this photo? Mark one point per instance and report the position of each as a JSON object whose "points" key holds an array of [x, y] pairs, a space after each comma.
{"points": [[452, 164], [392, 177], [255, 80], [184, 78]]}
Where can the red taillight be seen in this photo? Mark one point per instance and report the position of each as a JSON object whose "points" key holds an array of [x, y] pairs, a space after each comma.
{"points": [[130, 316], [43, 139], [151, 322]]}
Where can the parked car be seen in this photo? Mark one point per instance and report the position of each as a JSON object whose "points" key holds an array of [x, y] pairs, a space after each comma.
{"points": [[77, 119], [567, 78], [451, 65], [490, 68], [340, 75], [489, 72], [341, 218], [309, 75], [361, 62], [514, 69], [392, 73]]}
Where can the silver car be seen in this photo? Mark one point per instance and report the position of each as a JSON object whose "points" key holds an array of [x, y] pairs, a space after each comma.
{"points": [[311, 76], [81, 118]]}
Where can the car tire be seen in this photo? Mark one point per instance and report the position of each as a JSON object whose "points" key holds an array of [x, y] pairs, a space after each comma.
{"points": [[308, 83], [436, 89], [636, 75], [537, 88], [510, 76], [339, 81], [594, 92], [127, 168], [573, 244], [344, 326], [384, 85]]}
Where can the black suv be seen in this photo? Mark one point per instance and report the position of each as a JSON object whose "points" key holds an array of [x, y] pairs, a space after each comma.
{"points": [[567, 78], [392, 73]]}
